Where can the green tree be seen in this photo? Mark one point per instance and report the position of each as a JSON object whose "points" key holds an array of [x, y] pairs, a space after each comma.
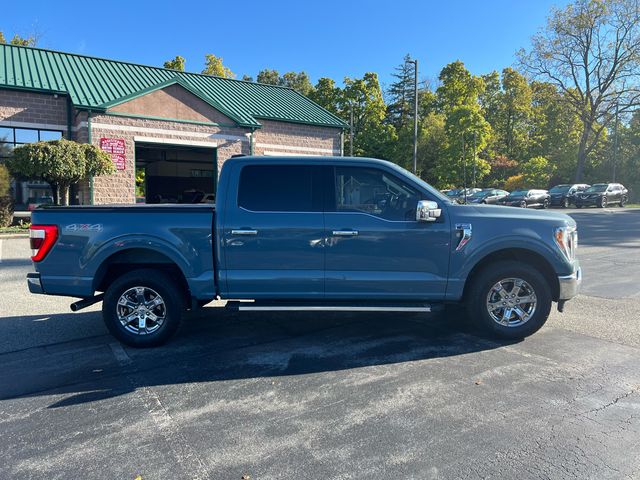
{"points": [[326, 94], [512, 127], [247, 78], [555, 130], [536, 172], [458, 87], [270, 77], [372, 137], [60, 163], [29, 41], [401, 94], [299, 81], [175, 64], [214, 66], [589, 51]]}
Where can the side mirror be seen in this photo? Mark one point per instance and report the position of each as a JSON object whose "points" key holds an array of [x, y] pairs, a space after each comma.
{"points": [[427, 211]]}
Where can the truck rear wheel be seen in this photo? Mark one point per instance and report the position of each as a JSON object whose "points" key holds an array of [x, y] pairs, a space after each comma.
{"points": [[509, 299], [143, 308]]}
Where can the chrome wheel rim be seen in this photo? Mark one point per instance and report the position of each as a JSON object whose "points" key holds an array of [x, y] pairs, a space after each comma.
{"points": [[141, 310], [511, 302]]}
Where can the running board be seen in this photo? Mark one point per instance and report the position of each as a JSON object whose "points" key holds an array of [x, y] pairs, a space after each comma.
{"points": [[270, 307]]}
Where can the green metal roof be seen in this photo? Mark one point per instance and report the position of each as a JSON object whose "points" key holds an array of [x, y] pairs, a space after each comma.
{"points": [[97, 83]]}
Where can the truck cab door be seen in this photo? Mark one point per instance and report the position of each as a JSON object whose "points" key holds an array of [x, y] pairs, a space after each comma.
{"points": [[273, 235], [376, 250]]}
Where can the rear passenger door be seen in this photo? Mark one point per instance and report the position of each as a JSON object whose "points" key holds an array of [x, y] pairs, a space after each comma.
{"points": [[273, 233]]}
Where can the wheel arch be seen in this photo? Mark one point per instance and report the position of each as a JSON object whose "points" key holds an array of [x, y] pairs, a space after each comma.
{"points": [[531, 258], [136, 258]]}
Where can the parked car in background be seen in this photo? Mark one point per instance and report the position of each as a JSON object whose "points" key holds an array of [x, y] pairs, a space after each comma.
{"points": [[564, 195], [526, 199], [36, 202], [459, 195], [602, 194], [488, 196]]}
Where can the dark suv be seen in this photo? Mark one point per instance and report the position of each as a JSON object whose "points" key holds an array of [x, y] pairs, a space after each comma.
{"points": [[564, 195], [602, 194], [526, 198]]}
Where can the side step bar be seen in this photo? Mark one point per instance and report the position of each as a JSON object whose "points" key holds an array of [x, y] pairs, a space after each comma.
{"points": [[289, 307]]}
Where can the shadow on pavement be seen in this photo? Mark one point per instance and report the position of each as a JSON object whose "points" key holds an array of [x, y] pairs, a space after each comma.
{"points": [[610, 230], [216, 345]]}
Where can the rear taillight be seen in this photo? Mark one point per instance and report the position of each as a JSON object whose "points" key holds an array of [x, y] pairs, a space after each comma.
{"points": [[42, 238]]}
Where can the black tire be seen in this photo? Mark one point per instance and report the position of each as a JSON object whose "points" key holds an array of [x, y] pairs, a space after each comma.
{"points": [[523, 204], [578, 205], [623, 200], [482, 284], [156, 282], [545, 204], [603, 202], [565, 203]]}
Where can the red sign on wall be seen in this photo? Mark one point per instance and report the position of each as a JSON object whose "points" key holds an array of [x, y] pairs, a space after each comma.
{"points": [[116, 148]]}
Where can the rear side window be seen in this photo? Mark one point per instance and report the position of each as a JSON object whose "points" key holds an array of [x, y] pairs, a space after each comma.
{"points": [[280, 188]]}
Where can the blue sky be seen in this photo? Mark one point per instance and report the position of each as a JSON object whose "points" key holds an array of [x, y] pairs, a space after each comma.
{"points": [[324, 38]]}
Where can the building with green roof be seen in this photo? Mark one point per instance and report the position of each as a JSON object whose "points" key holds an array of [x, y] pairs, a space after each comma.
{"points": [[176, 127]]}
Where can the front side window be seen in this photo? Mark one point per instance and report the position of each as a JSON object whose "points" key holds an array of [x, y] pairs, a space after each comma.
{"points": [[375, 192], [279, 188]]}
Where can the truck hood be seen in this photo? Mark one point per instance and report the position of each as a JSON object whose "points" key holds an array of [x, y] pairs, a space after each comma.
{"points": [[509, 214]]}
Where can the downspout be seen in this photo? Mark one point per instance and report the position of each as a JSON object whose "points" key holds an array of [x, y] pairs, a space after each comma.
{"points": [[69, 119], [251, 141], [342, 142], [89, 141]]}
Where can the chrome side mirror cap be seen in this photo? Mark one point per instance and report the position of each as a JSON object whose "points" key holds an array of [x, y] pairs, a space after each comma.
{"points": [[427, 211]]}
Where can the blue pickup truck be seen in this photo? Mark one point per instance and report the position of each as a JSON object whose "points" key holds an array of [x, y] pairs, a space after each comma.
{"points": [[318, 234]]}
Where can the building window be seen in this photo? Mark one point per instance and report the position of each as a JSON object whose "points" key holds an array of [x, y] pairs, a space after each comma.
{"points": [[11, 137], [28, 191]]}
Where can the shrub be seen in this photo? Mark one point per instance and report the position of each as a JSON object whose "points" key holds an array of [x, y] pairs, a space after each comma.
{"points": [[515, 182], [5, 181], [6, 211]]}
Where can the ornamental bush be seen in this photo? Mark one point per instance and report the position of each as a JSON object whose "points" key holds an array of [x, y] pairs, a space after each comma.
{"points": [[60, 163]]}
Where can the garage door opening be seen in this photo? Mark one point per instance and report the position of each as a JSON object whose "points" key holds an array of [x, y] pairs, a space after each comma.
{"points": [[175, 174]]}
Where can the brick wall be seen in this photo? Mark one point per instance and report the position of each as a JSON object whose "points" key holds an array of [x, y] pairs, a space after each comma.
{"points": [[120, 187], [33, 110], [283, 138]]}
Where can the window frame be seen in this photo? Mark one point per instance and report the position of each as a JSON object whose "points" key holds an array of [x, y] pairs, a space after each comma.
{"points": [[331, 204]]}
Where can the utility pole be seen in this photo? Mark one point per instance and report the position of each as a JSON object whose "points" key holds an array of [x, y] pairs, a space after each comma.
{"points": [[351, 129], [464, 169], [415, 116], [615, 145], [474, 159]]}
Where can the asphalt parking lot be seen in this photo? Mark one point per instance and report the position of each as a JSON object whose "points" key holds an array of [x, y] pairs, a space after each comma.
{"points": [[329, 396]]}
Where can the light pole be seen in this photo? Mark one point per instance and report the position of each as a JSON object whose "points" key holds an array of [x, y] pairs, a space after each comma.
{"points": [[615, 146], [351, 129], [415, 116]]}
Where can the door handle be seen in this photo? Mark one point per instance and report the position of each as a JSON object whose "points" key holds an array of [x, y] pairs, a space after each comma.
{"points": [[244, 232], [345, 233]]}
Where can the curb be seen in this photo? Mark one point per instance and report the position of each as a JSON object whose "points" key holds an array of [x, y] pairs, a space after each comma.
{"points": [[14, 235]]}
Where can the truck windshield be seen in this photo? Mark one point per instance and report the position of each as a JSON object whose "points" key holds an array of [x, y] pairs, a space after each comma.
{"points": [[597, 188], [560, 189]]}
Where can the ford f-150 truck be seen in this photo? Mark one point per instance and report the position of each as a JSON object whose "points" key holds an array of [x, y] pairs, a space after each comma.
{"points": [[312, 233]]}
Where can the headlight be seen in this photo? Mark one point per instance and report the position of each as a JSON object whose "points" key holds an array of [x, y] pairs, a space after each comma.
{"points": [[566, 239]]}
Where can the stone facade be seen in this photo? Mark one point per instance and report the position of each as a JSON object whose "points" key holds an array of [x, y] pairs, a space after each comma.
{"points": [[171, 116], [33, 110]]}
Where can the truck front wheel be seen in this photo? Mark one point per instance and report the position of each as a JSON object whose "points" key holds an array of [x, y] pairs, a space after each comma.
{"points": [[509, 299], [143, 308]]}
